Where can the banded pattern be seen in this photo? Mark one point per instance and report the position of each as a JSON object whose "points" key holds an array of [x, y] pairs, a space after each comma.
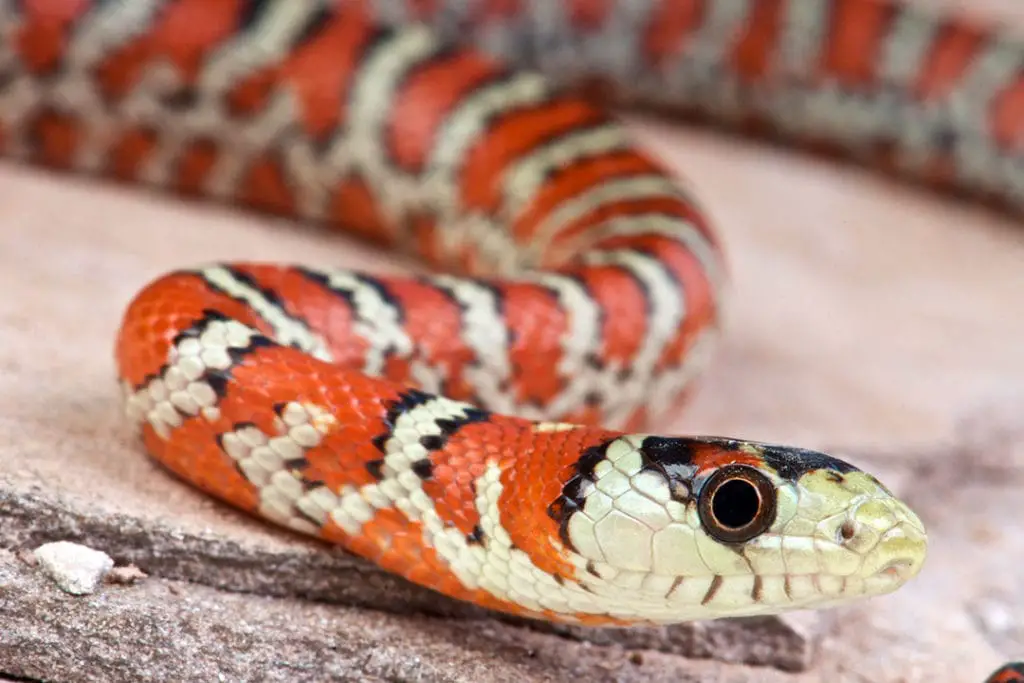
{"points": [[445, 426], [1012, 672], [934, 97]]}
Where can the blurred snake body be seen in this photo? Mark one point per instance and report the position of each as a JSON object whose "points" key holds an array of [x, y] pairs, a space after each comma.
{"points": [[478, 428]]}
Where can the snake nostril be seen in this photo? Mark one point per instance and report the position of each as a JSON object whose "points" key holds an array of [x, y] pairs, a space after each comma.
{"points": [[847, 530]]}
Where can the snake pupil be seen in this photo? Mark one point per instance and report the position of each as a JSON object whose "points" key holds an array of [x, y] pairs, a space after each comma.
{"points": [[736, 503]]}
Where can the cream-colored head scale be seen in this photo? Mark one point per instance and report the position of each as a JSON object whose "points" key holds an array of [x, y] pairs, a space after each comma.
{"points": [[666, 530]]}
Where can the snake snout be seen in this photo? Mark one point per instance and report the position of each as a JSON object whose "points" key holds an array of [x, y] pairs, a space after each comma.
{"points": [[891, 541]]}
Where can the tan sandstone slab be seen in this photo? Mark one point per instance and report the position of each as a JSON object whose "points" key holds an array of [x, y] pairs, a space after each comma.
{"points": [[168, 631]]}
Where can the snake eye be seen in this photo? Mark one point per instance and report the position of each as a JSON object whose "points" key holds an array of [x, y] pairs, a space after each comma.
{"points": [[736, 504]]}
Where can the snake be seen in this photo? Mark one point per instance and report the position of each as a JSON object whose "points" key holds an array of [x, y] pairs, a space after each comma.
{"points": [[1011, 672], [481, 427]]}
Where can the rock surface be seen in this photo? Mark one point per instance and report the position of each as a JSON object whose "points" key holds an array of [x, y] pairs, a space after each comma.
{"points": [[868, 318], [170, 631], [294, 568]]}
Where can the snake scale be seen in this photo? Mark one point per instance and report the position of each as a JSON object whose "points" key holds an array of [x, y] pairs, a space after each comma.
{"points": [[478, 429]]}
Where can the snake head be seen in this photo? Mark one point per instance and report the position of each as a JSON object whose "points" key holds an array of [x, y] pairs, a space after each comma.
{"points": [[697, 528], [832, 532]]}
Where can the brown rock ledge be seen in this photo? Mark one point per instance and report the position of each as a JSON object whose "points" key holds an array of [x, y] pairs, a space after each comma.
{"points": [[162, 630], [313, 572]]}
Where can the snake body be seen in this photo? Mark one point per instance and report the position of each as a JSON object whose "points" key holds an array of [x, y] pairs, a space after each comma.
{"points": [[478, 429], [1011, 672]]}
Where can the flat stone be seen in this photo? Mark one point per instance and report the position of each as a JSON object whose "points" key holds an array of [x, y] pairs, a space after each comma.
{"points": [[161, 630], [288, 567]]}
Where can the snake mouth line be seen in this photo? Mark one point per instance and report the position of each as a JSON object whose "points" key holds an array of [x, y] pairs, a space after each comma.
{"points": [[897, 569]]}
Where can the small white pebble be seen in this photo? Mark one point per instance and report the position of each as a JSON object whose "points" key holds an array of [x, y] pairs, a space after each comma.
{"points": [[75, 568]]}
